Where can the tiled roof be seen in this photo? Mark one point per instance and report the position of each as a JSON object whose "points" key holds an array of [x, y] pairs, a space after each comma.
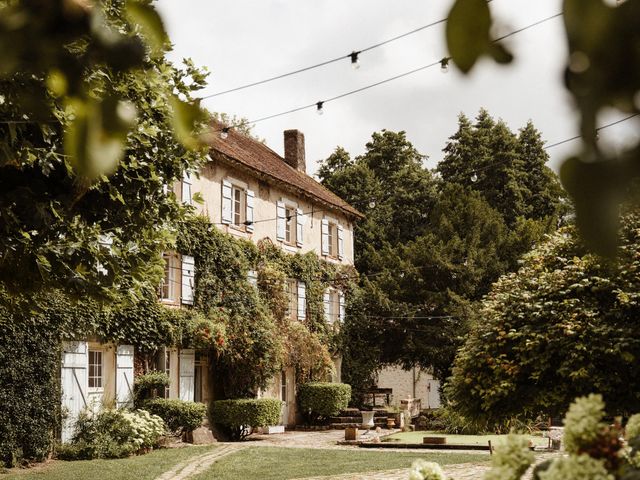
{"points": [[259, 158]]}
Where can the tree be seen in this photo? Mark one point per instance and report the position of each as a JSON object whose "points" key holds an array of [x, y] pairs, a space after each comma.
{"points": [[564, 325], [602, 72], [60, 226], [508, 170]]}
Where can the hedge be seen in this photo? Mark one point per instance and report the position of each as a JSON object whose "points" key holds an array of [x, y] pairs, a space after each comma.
{"points": [[147, 385], [179, 415], [237, 417], [319, 400]]}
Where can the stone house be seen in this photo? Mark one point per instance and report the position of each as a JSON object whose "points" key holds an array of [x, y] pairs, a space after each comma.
{"points": [[250, 192]]}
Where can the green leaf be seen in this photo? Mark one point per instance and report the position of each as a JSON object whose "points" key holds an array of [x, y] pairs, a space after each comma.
{"points": [[185, 118], [467, 32], [149, 21]]}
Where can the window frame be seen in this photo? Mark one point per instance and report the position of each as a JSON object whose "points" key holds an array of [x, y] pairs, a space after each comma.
{"points": [[239, 206], [291, 290], [169, 279], [332, 239], [93, 352], [290, 225]]}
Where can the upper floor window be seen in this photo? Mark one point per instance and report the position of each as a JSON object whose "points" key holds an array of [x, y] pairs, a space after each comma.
{"points": [[334, 306], [332, 239], [290, 223], [296, 293], [167, 290], [237, 205], [187, 197]]}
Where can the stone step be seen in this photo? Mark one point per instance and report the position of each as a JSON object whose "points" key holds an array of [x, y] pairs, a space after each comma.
{"points": [[357, 420], [342, 426]]}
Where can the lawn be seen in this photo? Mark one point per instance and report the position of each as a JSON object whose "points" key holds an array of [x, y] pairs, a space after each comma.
{"points": [[416, 437], [273, 463], [143, 467]]}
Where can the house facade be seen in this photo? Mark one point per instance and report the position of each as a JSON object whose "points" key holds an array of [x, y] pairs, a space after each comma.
{"points": [[252, 193]]}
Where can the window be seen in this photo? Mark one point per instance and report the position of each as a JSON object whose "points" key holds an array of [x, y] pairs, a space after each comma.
{"points": [[167, 370], [291, 291], [239, 199], [334, 306], [333, 240], [167, 288], [290, 225], [95, 369]]}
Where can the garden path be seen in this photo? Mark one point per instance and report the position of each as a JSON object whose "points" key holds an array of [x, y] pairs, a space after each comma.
{"points": [[195, 465]]}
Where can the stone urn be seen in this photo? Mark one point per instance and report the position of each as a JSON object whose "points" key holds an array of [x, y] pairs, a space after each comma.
{"points": [[367, 420], [391, 422]]}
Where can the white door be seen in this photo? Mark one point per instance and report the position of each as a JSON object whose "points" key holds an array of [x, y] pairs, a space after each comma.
{"points": [[124, 376], [74, 384], [187, 373]]}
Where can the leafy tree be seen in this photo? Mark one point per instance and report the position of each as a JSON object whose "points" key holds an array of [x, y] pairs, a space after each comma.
{"points": [[509, 170], [59, 227], [564, 325], [602, 72]]}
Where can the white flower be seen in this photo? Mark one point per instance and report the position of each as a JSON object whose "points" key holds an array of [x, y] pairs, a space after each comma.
{"points": [[423, 470]]}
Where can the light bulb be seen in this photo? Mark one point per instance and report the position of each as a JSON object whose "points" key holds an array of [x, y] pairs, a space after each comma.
{"points": [[372, 204], [319, 109], [224, 133], [444, 65], [474, 177], [354, 60]]}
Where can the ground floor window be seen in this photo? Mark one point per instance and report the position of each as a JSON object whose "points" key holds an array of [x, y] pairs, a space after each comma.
{"points": [[95, 368]]}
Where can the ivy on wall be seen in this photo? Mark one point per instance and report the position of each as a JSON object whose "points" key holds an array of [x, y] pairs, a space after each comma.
{"points": [[261, 339]]}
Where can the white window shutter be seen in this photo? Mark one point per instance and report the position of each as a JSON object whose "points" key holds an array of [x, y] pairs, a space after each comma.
{"points": [[124, 376], [299, 227], [342, 310], [326, 301], [325, 236], [226, 202], [281, 215], [340, 242], [187, 374], [74, 383], [188, 276], [186, 188], [302, 300], [252, 278], [249, 217]]}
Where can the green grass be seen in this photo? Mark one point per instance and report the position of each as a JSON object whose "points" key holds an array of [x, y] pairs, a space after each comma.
{"points": [[416, 437], [273, 463], [143, 467]]}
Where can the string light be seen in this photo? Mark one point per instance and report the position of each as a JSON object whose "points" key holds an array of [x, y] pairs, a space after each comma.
{"points": [[444, 65], [440, 62], [474, 177], [354, 60], [224, 133]]}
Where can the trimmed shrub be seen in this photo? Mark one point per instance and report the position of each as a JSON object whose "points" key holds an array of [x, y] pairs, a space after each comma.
{"points": [[112, 434], [179, 416], [237, 417], [149, 385], [320, 400]]}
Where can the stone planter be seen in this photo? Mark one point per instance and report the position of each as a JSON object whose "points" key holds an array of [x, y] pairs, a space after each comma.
{"points": [[434, 440], [391, 422], [367, 420]]}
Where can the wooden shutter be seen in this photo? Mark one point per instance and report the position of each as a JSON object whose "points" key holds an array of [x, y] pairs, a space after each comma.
{"points": [[281, 221], [302, 300], [188, 276], [340, 242], [227, 210], [124, 376], [341, 304], [187, 374], [325, 236], [249, 213], [186, 188], [74, 383], [299, 226], [326, 302]]}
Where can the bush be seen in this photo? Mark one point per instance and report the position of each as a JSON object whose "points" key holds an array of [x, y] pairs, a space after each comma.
{"points": [[179, 415], [319, 400], [149, 385], [112, 434], [237, 417]]}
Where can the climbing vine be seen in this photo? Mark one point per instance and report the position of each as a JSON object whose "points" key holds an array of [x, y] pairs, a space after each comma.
{"points": [[261, 338]]}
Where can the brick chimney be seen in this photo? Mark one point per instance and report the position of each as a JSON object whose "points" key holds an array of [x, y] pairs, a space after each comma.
{"points": [[294, 149]]}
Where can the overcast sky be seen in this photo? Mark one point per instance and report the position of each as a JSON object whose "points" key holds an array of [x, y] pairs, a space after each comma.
{"points": [[242, 41]]}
